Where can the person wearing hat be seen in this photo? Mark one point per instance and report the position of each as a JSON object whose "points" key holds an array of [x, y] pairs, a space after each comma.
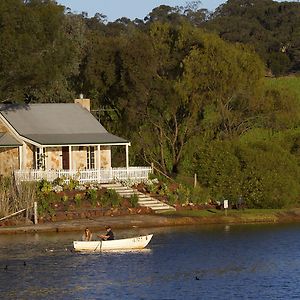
{"points": [[108, 236]]}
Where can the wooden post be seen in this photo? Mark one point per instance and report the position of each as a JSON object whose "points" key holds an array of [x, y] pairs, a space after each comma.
{"points": [[152, 167], [225, 203], [35, 212], [70, 158], [195, 180]]}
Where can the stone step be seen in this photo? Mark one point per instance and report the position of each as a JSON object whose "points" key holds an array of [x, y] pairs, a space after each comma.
{"points": [[141, 196], [111, 185], [144, 199], [156, 205], [127, 192], [149, 201]]}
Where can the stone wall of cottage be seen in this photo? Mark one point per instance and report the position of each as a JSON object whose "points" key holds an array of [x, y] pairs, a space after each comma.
{"points": [[79, 158], [9, 157], [28, 156], [9, 160], [105, 153], [53, 158]]}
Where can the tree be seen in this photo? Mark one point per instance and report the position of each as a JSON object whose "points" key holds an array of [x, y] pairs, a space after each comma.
{"points": [[271, 27], [195, 71], [37, 55]]}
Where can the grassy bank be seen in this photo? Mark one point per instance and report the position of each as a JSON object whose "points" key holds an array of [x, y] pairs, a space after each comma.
{"points": [[241, 216]]}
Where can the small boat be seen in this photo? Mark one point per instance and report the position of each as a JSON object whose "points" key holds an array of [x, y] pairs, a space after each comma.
{"points": [[139, 242]]}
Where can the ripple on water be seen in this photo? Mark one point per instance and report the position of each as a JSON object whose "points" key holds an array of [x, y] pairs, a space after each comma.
{"points": [[204, 262]]}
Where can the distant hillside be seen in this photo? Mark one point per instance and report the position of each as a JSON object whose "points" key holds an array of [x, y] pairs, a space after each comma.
{"points": [[271, 27]]}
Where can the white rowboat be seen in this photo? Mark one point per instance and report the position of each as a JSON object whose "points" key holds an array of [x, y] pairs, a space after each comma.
{"points": [[139, 242]]}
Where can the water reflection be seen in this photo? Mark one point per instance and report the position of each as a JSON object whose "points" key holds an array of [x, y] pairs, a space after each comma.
{"points": [[200, 262]]}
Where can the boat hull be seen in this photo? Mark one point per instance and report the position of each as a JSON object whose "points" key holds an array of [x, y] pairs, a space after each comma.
{"points": [[122, 244]]}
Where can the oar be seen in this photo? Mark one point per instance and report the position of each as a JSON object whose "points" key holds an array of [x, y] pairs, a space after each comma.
{"points": [[100, 244]]}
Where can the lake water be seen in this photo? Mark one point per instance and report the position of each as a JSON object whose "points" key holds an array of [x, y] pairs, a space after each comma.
{"points": [[198, 262]]}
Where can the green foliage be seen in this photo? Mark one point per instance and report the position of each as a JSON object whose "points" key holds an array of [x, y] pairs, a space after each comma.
{"points": [[65, 198], [219, 169], [292, 83], [199, 195], [164, 190], [78, 199], [134, 199], [151, 188], [110, 198], [73, 183], [45, 201], [183, 194], [270, 176], [40, 48], [262, 172], [44, 186], [92, 196], [271, 27], [59, 181]]}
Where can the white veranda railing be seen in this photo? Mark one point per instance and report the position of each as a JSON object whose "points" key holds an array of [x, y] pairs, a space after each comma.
{"points": [[85, 176]]}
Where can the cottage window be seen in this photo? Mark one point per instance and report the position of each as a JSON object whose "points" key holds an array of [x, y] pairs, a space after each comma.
{"points": [[90, 157], [40, 158]]}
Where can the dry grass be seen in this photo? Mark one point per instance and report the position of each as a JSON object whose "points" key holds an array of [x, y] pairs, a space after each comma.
{"points": [[14, 197]]}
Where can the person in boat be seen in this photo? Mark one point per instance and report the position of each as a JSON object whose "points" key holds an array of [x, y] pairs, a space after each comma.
{"points": [[87, 235], [108, 236]]}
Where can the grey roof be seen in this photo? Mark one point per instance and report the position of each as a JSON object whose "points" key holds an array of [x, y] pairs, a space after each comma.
{"points": [[7, 140], [57, 124]]}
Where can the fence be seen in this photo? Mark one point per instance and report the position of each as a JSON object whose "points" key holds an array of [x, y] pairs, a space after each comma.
{"points": [[85, 176]]}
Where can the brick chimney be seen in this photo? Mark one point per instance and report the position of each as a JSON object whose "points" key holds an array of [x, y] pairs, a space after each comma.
{"points": [[86, 103]]}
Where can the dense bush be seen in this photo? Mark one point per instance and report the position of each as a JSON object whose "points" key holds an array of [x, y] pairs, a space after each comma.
{"points": [[270, 175], [265, 174], [219, 169]]}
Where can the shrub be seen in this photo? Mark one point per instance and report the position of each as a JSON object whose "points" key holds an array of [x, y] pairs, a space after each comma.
{"points": [[73, 184], [59, 181], [270, 176], [172, 198], [114, 198], [65, 198], [92, 196], [151, 187], [45, 201], [78, 199], [200, 195], [164, 191], [44, 186], [183, 194], [134, 200]]}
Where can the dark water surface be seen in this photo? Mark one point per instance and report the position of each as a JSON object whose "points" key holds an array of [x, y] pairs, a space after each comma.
{"points": [[201, 262]]}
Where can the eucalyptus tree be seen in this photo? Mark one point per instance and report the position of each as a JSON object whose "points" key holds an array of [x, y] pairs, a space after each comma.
{"points": [[197, 76], [39, 50]]}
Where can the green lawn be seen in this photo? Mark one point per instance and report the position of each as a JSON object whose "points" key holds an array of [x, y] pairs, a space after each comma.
{"points": [[244, 214], [290, 82]]}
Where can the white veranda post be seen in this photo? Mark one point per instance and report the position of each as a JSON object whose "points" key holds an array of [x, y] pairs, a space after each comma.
{"points": [[70, 158], [99, 162], [20, 157], [127, 157]]}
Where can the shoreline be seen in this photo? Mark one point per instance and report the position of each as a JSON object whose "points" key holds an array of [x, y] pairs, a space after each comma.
{"points": [[150, 220]]}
